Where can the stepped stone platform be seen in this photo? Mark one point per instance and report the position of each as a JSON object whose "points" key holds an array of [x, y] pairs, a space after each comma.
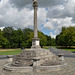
{"points": [[35, 59]]}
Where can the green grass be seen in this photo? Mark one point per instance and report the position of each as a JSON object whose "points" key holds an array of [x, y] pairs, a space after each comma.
{"points": [[71, 50], [47, 47], [10, 52]]}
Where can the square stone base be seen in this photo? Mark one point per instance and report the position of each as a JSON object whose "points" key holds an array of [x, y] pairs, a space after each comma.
{"points": [[35, 43]]}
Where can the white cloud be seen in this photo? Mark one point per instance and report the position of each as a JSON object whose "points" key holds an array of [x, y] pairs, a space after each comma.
{"points": [[1, 28], [52, 35], [15, 18], [20, 18], [42, 13], [57, 24]]}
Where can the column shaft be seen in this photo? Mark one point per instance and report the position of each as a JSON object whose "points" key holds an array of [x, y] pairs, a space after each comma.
{"points": [[35, 23]]}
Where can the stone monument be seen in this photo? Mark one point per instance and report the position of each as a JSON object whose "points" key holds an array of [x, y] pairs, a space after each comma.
{"points": [[35, 40], [35, 58]]}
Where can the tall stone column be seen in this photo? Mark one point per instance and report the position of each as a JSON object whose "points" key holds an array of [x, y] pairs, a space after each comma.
{"points": [[35, 40], [35, 22]]}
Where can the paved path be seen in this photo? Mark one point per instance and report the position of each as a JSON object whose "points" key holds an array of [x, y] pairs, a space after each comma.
{"points": [[66, 53], [69, 70], [6, 56]]}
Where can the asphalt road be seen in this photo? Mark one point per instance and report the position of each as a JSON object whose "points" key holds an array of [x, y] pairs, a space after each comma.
{"points": [[6, 56], [65, 53]]}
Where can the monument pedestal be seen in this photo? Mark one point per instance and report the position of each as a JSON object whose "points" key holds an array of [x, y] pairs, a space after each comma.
{"points": [[35, 43]]}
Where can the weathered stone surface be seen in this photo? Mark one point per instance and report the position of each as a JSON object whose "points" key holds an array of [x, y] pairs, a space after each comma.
{"points": [[35, 40], [70, 70], [36, 57]]}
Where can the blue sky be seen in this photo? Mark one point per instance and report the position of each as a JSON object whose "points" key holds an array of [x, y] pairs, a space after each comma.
{"points": [[46, 31]]}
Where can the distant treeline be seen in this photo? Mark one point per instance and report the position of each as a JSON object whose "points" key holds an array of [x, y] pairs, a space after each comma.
{"points": [[10, 38], [66, 37]]}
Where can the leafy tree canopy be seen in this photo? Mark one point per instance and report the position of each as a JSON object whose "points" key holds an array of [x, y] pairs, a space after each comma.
{"points": [[66, 37]]}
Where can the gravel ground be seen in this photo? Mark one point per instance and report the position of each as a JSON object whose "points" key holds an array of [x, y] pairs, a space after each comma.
{"points": [[69, 70]]}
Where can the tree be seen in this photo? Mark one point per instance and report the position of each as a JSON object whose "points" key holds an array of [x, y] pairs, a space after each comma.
{"points": [[53, 43], [17, 38], [43, 39], [26, 30], [29, 41], [48, 40], [7, 32], [66, 37], [3, 41], [21, 38], [28, 35]]}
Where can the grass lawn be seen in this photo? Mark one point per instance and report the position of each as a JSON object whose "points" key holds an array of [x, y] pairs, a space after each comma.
{"points": [[47, 47], [71, 50], [10, 51]]}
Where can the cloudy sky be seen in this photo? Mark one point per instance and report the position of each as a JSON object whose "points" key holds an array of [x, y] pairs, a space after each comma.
{"points": [[52, 15]]}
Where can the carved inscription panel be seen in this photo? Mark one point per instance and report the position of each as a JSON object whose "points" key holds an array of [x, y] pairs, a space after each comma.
{"points": [[37, 43]]}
